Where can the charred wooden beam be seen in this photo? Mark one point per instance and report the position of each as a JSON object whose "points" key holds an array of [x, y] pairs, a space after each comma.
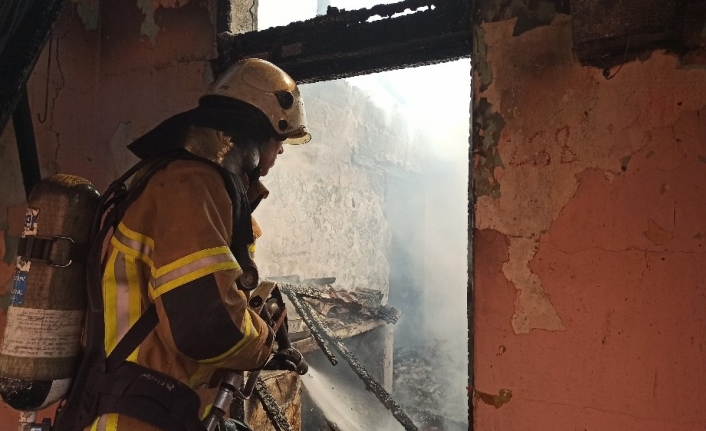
{"points": [[347, 43], [269, 404], [370, 383], [21, 51], [312, 321], [610, 33], [306, 345], [381, 311]]}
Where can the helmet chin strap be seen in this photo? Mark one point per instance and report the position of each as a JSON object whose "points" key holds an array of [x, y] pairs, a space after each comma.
{"points": [[254, 178], [254, 174]]}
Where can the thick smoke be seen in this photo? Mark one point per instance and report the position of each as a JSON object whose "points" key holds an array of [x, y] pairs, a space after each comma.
{"points": [[379, 200]]}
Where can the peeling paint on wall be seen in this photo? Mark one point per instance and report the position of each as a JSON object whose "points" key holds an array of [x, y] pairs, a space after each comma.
{"points": [[529, 14], [89, 12], [603, 207], [94, 91], [542, 14], [149, 27], [120, 160], [487, 126], [503, 397], [656, 234], [481, 69], [533, 308], [547, 148]]}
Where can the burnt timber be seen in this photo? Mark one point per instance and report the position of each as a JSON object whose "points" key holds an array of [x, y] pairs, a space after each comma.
{"points": [[269, 404], [344, 43], [610, 33], [316, 325]]}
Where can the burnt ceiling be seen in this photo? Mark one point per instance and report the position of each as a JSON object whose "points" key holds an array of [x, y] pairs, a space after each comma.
{"points": [[607, 33], [347, 43]]}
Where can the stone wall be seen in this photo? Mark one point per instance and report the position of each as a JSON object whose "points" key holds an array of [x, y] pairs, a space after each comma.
{"points": [[326, 212]]}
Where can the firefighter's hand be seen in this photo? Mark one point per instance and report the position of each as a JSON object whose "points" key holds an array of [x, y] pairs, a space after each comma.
{"points": [[288, 359], [233, 425]]}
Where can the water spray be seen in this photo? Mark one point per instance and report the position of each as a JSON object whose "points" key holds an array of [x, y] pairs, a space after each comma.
{"points": [[317, 325]]}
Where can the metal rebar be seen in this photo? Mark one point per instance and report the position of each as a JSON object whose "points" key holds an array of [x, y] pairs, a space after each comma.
{"points": [[269, 404], [308, 318], [371, 384]]}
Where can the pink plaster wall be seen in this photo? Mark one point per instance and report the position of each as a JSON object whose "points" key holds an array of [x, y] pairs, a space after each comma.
{"points": [[112, 71], [590, 279]]}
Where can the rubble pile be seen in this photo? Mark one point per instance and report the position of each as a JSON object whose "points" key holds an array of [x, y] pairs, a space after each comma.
{"points": [[421, 377], [421, 381]]}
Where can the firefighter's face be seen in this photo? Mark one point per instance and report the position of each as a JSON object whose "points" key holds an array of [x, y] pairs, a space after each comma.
{"points": [[268, 155]]}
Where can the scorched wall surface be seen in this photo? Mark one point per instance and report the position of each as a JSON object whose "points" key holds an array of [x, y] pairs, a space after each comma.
{"points": [[590, 207]]}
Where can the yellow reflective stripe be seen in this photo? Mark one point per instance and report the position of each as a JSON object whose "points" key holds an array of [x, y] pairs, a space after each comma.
{"points": [[222, 266], [110, 302], [115, 242], [206, 411], [200, 373], [249, 335], [105, 422], [135, 302], [194, 262], [136, 236], [150, 290], [193, 257], [112, 422]]}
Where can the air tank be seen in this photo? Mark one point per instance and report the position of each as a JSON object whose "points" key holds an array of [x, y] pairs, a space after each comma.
{"points": [[41, 346]]}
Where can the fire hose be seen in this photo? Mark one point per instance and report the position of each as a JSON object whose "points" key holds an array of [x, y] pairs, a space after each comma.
{"points": [[231, 383]]}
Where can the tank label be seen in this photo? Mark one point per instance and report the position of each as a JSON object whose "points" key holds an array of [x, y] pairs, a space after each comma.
{"points": [[19, 287], [31, 217], [19, 281], [36, 333]]}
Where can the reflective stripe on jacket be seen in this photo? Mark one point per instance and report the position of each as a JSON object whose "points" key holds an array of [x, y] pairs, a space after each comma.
{"points": [[176, 235]]}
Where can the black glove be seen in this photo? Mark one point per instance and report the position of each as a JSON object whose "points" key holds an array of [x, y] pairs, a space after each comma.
{"points": [[233, 425], [288, 359]]}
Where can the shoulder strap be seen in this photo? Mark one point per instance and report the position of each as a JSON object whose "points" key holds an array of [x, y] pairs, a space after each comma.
{"points": [[132, 339], [242, 232]]}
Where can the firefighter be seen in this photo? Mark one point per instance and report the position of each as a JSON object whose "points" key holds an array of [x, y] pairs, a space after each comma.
{"points": [[185, 244]]}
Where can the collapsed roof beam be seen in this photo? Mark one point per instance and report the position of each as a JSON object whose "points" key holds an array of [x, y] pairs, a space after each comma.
{"points": [[349, 43], [20, 54]]}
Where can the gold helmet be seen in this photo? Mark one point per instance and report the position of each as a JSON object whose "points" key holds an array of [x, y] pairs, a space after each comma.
{"points": [[269, 89]]}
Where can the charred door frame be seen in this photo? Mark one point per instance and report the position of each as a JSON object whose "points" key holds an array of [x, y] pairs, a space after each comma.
{"points": [[344, 43]]}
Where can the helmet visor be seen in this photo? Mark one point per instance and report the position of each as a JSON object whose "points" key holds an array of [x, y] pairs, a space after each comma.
{"points": [[297, 138]]}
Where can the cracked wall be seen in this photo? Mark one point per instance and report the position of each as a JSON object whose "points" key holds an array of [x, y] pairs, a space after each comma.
{"points": [[588, 251]]}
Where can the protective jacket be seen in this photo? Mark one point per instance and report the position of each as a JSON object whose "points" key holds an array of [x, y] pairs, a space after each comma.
{"points": [[171, 249]]}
